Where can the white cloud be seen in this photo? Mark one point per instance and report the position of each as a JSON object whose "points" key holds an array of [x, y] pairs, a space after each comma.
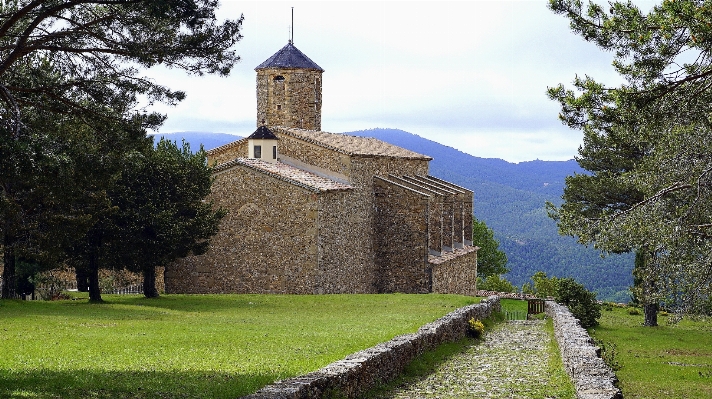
{"points": [[472, 75]]}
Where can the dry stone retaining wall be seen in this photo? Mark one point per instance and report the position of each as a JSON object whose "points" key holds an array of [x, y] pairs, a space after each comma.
{"points": [[365, 369], [592, 378]]}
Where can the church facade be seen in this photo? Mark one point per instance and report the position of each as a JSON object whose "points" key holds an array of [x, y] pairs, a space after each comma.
{"points": [[312, 212]]}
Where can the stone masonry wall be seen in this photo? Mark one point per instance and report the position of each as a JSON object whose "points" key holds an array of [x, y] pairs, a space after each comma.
{"points": [[312, 154], [455, 272], [294, 101], [267, 243], [345, 262], [363, 370], [401, 244], [592, 378], [228, 152], [435, 212]]}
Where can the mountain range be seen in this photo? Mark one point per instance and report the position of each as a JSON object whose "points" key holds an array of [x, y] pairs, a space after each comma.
{"points": [[510, 198]]}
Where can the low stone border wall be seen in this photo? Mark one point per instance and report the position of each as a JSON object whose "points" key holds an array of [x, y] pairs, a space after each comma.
{"points": [[592, 378], [363, 370]]}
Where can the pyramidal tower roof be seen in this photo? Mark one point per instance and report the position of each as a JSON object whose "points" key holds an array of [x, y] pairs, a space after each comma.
{"points": [[289, 57]]}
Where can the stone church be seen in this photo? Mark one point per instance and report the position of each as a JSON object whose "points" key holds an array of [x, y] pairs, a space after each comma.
{"points": [[311, 212]]}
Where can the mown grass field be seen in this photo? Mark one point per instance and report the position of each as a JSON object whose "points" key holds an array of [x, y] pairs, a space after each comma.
{"points": [[669, 361], [212, 346]]}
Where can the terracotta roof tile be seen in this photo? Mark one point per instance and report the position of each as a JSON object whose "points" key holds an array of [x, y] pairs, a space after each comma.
{"points": [[289, 174], [351, 145]]}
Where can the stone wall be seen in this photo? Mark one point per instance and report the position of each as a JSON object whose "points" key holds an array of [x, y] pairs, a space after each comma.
{"points": [[401, 244], [345, 256], [361, 371], [263, 245], [228, 152], [312, 154], [592, 378], [294, 101], [455, 272]]}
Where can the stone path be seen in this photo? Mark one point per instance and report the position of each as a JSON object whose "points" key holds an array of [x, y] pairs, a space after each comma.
{"points": [[511, 362]]}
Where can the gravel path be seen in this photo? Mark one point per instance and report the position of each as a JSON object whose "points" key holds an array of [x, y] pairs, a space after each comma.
{"points": [[511, 362]]}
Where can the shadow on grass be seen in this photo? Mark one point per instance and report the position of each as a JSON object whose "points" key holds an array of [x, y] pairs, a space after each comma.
{"points": [[70, 384]]}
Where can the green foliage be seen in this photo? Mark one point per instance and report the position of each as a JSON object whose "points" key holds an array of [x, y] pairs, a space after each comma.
{"points": [[475, 328], [543, 286], [69, 89], [609, 353], [496, 283], [633, 311], [162, 213], [194, 346], [647, 144], [490, 260], [581, 302]]}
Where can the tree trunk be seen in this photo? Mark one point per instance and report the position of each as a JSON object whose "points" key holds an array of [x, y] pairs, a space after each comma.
{"points": [[149, 282], [9, 280], [9, 283], [94, 290], [651, 315], [82, 278]]}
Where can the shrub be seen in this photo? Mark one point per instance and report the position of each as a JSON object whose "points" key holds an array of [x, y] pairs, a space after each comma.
{"points": [[476, 328], [580, 301], [633, 311], [496, 283]]}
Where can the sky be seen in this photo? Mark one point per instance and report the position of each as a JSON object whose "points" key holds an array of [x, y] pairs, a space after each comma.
{"points": [[470, 75]]}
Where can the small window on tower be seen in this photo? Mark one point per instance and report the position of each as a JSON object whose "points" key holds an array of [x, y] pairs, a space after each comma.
{"points": [[279, 107], [274, 152], [258, 151], [279, 78]]}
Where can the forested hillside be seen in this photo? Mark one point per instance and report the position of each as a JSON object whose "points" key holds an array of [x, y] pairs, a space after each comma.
{"points": [[510, 199]]}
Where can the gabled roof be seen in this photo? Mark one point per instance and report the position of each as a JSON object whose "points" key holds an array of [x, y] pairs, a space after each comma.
{"points": [[289, 57], [263, 133], [288, 173], [342, 143], [351, 145]]}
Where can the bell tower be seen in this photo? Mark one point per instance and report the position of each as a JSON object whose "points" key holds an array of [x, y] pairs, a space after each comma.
{"points": [[289, 90]]}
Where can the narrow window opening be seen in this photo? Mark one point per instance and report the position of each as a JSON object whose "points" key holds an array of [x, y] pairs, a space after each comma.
{"points": [[274, 152], [279, 107], [279, 78], [258, 151]]}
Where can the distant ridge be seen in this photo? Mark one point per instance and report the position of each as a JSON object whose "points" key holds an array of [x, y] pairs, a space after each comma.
{"points": [[510, 199]]}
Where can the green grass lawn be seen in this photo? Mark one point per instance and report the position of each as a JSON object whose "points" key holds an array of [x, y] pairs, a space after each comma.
{"points": [[669, 361], [202, 346]]}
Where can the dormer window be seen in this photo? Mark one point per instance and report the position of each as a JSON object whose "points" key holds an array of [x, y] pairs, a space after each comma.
{"points": [[263, 137]]}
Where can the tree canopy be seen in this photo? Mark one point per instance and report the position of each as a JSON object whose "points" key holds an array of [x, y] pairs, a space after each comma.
{"points": [[490, 260], [647, 143], [74, 105]]}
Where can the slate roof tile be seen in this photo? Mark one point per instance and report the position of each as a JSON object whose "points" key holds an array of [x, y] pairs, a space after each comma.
{"points": [[289, 57]]}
